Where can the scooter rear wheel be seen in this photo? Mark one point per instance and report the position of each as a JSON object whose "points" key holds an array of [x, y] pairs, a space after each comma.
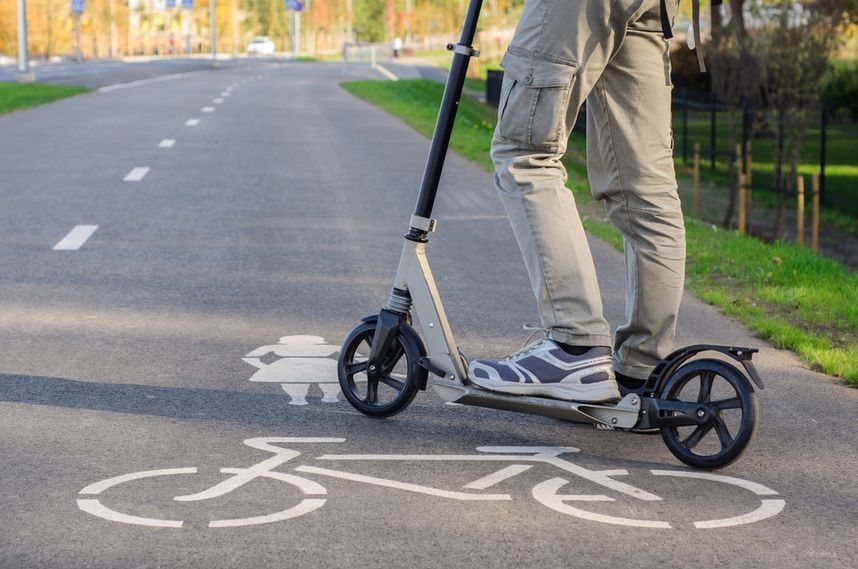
{"points": [[733, 408], [400, 376]]}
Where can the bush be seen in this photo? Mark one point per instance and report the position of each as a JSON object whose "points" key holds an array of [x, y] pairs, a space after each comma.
{"points": [[840, 92], [685, 72]]}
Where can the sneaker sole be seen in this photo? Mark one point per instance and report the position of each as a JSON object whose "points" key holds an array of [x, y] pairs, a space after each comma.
{"points": [[592, 393]]}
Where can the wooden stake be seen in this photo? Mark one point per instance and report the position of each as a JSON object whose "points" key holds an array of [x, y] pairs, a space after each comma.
{"points": [[695, 188], [814, 219], [799, 211], [740, 180]]}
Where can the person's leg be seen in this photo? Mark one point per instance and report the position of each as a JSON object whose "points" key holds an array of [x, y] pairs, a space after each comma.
{"points": [[559, 50], [630, 166], [557, 53]]}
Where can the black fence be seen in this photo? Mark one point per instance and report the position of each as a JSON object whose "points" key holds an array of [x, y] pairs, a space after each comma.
{"points": [[829, 148]]}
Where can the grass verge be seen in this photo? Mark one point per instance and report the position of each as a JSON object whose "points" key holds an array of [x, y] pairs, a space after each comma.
{"points": [[786, 294], [17, 96]]}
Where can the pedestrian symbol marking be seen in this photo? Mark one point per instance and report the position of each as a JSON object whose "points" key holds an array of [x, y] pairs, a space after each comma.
{"points": [[297, 363]]}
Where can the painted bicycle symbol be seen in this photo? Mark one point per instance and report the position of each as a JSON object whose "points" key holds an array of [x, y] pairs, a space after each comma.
{"points": [[522, 458]]}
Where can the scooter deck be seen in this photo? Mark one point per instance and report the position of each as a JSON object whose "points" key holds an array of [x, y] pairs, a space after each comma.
{"points": [[622, 415]]}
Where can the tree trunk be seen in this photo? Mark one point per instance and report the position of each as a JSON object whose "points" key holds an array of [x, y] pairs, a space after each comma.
{"points": [[732, 177], [737, 20]]}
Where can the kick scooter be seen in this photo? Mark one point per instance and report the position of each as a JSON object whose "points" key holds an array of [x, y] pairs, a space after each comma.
{"points": [[383, 362]]}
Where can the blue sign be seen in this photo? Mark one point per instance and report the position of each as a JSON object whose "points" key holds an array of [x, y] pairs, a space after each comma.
{"points": [[170, 3], [77, 6], [187, 4], [296, 5]]}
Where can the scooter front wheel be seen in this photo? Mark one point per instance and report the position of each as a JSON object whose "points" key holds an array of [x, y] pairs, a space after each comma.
{"points": [[729, 401], [400, 378]]}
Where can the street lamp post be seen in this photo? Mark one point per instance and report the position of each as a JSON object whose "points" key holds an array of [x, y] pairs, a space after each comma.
{"points": [[24, 74], [78, 54], [212, 31]]}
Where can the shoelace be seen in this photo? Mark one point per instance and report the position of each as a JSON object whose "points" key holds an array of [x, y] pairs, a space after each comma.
{"points": [[529, 344]]}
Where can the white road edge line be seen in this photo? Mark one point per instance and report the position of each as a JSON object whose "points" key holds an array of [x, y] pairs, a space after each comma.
{"points": [[136, 174], [384, 71], [192, 122], [167, 143], [75, 238], [118, 86]]}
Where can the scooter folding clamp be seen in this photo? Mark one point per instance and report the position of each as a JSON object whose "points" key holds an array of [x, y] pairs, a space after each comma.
{"points": [[423, 223], [463, 49]]}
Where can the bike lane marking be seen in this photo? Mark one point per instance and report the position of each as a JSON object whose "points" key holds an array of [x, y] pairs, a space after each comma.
{"points": [[757, 489], [99, 487], [547, 455], [402, 485], [94, 507], [769, 507], [546, 494], [304, 507], [497, 477]]}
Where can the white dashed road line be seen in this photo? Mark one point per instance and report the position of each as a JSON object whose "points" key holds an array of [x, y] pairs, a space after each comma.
{"points": [[217, 101], [167, 143], [136, 174], [225, 94], [75, 238], [192, 122], [207, 109]]}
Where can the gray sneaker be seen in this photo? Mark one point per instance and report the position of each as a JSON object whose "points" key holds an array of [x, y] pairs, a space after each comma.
{"points": [[545, 370]]}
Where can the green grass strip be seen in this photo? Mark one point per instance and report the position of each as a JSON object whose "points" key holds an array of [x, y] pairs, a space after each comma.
{"points": [[17, 96], [787, 295]]}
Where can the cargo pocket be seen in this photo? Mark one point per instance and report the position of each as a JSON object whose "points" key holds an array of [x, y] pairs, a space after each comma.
{"points": [[534, 97]]}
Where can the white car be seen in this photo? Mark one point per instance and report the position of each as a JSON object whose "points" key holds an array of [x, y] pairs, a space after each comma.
{"points": [[261, 45]]}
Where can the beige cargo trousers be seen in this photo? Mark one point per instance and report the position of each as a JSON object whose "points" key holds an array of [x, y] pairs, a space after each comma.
{"points": [[613, 54]]}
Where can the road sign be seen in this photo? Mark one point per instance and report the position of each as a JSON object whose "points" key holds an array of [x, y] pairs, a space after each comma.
{"points": [[170, 3], [296, 5], [187, 4], [77, 6]]}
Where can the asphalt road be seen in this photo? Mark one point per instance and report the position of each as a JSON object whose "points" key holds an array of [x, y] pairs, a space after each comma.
{"points": [[97, 74], [280, 214]]}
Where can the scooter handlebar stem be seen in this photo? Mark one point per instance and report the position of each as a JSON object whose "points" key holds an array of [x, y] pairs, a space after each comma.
{"points": [[462, 52]]}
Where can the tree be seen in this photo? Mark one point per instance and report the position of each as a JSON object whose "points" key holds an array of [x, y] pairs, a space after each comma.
{"points": [[796, 45], [369, 20], [777, 61]]}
